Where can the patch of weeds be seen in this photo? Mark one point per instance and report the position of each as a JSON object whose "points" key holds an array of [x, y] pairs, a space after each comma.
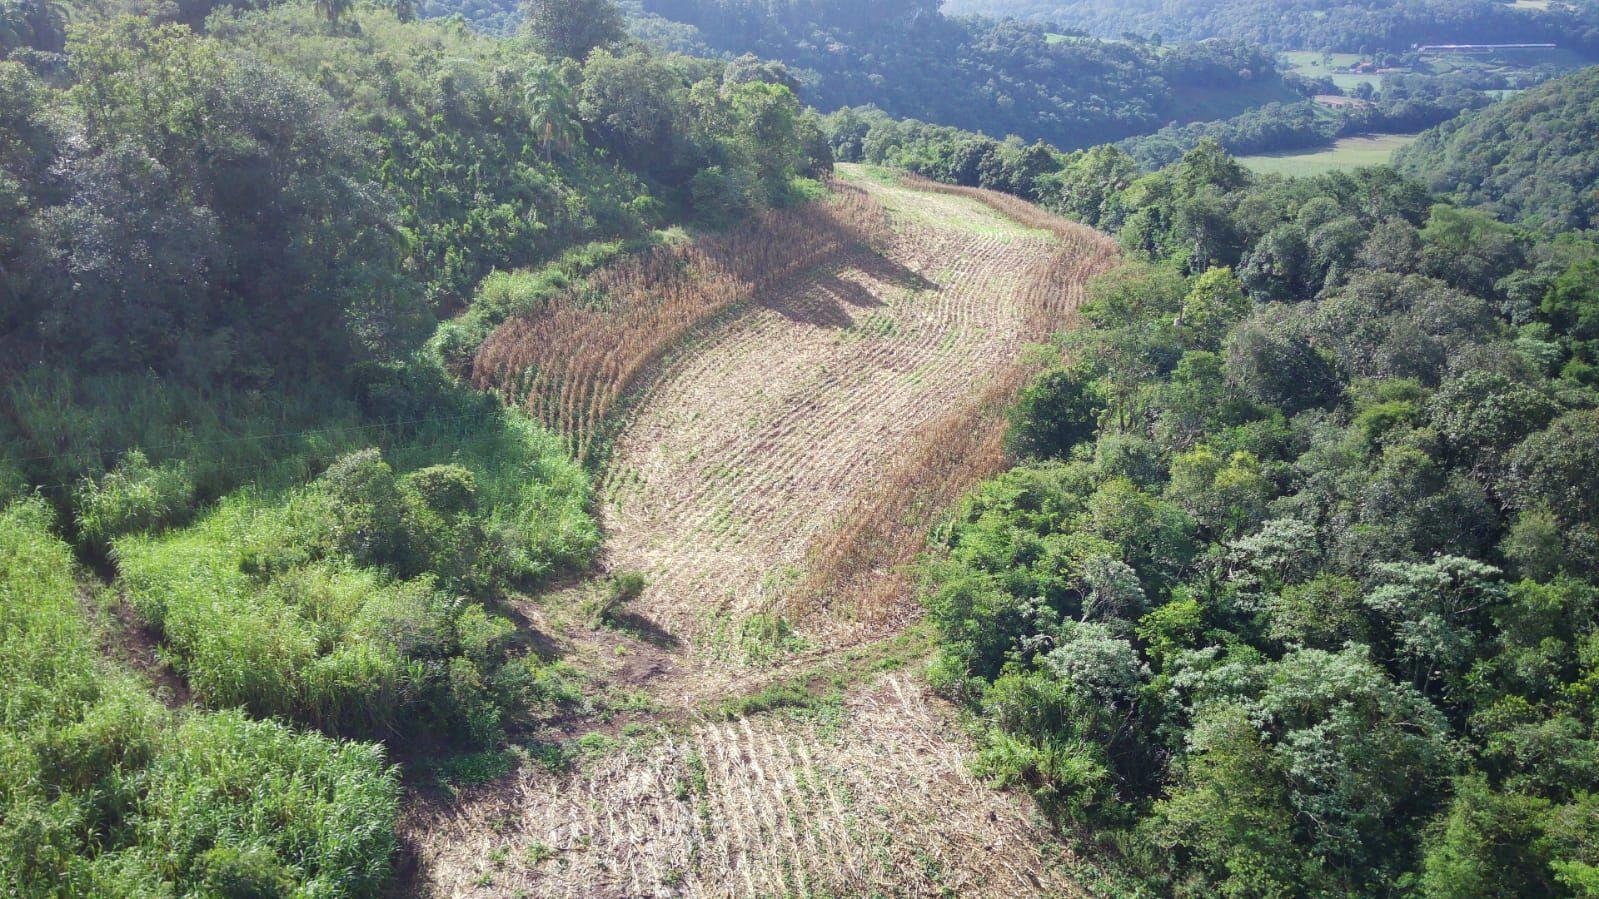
{"points": [[475, 768], [639, 733], [764, 638], [591, 744], [546, 687], [819, 692], [499, 855], [537, 853], [784, 695], [552, 757], [613, 703], [694, 782], [622, 589]]}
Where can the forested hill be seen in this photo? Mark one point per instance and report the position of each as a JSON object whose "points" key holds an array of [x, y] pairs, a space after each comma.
{"points": [[1362, 26], [1296, 595], [1000, 78], [1530, 159]]}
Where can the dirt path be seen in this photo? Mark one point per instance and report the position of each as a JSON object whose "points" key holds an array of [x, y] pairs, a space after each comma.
{"points": [[738, 460]]}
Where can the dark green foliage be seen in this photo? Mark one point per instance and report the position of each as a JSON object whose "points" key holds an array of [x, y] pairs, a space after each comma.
{"points": [[1364, 26], [1054, 414], [1405, 104], [572, 28], [339, 603], [1315, 615], [1530, 159], [223, 248]]}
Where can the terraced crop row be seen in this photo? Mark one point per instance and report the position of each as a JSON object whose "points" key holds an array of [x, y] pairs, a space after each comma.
{"points": [[786, 466]]}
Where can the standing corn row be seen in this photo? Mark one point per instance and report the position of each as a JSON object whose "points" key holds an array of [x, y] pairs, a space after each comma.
{"points": [[573, 362]]}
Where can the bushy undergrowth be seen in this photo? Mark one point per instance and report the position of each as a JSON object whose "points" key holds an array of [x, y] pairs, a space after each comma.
{"points": [[104, 792], [346, 602], [63, 426]]}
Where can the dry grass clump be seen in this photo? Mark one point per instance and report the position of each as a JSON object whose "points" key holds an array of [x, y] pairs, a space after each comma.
{"points": [[572, 363]]}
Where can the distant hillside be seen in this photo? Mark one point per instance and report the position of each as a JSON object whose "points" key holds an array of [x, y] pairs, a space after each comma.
{"points": [[1341, 25], [1000, 78], [1532, 158]]}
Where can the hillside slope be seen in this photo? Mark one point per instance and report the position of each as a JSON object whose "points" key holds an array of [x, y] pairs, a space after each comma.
{"points": [[1530, 159], [1342, 25], [841, 409]]}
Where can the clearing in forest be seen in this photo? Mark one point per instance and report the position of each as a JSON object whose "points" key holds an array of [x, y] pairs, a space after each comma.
{"points": [[772, 480]]}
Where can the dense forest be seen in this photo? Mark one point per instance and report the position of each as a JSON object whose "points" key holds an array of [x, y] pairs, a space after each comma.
{"points": [[995, 77], [1530, 159], [230, 238], [1354, 26], [1297, 595]]}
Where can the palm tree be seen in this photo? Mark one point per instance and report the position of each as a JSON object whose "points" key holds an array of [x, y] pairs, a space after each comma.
{"points": [[549, 103], [333, 10]]}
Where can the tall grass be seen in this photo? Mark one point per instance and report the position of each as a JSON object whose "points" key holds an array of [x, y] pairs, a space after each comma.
{"points": [[105, 792], [337, 603], [571, 362], [58, 427]]}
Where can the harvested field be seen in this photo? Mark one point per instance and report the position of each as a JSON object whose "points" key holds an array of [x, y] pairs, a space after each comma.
{"points": [[832, 399], [780, 468], [878, 802]]}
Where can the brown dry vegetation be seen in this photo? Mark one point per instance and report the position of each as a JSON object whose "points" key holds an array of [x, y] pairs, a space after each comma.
{"points": [[756, 446], [572, 362]]}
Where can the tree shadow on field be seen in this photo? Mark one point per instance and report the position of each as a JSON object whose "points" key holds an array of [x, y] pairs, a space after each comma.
{"points": [[643, 628], [826, 300], [527, 635]]}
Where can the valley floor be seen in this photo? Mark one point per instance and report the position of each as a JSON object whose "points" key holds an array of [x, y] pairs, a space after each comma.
{"points": [[731, 774]]}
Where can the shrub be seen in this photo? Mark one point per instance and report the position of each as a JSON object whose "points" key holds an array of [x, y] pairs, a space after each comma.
{"points": [[622, 590], [368, 510], [1054, 414], [134, 496]]}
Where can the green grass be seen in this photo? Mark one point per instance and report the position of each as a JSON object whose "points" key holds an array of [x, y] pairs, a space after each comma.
{"points": [[1334, 65], [105, 792], [1347, 153], [337, 603]]}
